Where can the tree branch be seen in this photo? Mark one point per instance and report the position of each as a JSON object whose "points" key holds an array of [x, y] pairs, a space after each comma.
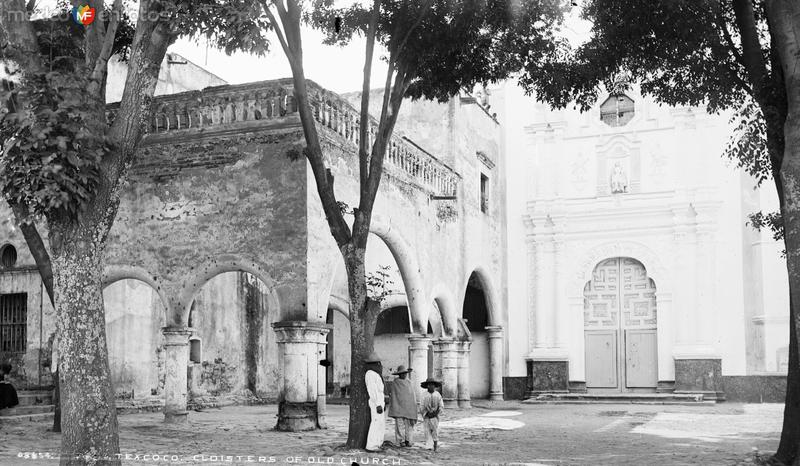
{"points": [[721, 24], [385, 133], [95, 32], [278, 32], [20, 36], [147, 53], [338, 226], [363, 127], [424, 10], [752, 55], [101, 66], [36, 246]]}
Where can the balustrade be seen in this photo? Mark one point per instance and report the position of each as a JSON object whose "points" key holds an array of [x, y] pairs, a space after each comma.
{"points": [[268, 100]]}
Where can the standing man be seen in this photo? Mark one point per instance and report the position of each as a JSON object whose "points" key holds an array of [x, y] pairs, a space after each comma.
{"points": [[431, 408], [403, 407], [374, 382]]}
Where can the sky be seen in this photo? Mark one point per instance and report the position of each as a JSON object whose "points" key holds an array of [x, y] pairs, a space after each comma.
{"points": [[339, 69]]}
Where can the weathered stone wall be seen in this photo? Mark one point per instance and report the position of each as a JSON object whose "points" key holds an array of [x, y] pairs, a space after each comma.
{"points": [[134, 317], [198, 206], [31, 368]]}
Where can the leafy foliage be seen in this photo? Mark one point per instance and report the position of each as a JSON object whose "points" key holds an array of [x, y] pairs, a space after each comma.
{"points": [[771, 220], [51, 154], [677, 50], [456, 44], [231, 25], [748, 144], [379, 285]]}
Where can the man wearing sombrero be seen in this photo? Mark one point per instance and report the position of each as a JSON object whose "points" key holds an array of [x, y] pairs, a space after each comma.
{"points": [[374, 381], [430, 408], [403, 406]]}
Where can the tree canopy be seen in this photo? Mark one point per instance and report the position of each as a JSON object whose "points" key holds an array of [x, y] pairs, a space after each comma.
{"points": [[681, 52]]}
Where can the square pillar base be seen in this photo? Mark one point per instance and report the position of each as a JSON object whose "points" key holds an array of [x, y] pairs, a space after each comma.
{"points": [[296, 417], [548, 376], [702, 376], [177, 418]]}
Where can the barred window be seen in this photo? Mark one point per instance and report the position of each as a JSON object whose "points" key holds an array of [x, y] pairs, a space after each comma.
{"points": [[13, 322]]}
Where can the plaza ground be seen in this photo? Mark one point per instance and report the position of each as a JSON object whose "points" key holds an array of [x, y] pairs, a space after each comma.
{"points": [[489, 433]]}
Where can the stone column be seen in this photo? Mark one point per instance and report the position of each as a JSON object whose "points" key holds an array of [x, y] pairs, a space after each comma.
{"points": [[418, 348], [495, 336], [298, 346], [445, 350], [176, 348], [463, 374]]}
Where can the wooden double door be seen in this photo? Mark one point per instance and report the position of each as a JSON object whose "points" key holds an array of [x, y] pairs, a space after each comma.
{"points": [[620, 321]]}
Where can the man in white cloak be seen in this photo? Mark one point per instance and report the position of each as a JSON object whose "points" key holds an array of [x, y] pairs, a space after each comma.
{"points": [[374, 382]]}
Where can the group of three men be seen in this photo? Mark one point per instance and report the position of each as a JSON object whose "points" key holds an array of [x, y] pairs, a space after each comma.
{"points": [[402, 406]]}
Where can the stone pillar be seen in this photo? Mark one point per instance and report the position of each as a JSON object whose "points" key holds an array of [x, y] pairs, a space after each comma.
{"points": [[298, 353], [418, 348], [545, 319], [445, 350], [322, 384], [463, 374], [176, 348], [495, 336]]}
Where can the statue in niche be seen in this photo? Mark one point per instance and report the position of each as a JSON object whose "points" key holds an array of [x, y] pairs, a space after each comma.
{"points": [[619, 181]]}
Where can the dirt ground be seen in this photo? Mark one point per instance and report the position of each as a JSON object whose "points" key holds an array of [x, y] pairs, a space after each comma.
{"points": [[488, 434]]}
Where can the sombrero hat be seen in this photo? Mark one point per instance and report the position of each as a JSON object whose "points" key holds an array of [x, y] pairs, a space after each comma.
{"points": [[373, 357], [401, 369], [430, 381]]}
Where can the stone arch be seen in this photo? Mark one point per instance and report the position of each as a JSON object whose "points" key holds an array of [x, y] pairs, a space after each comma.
{"points": [[582, 272], [409, 269], [443, 302], [135, 309], [340, 304], [492, 307], [216, 266], [115, 273]]}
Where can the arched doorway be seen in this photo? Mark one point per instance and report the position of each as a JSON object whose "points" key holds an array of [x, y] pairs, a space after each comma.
{"points": [[391, 337], [234, 350], [337, 353], [476, 314], [620, 322], [134, 317]]}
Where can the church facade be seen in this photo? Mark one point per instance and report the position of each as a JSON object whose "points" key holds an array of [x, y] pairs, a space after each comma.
{"points": [[638, 271]]}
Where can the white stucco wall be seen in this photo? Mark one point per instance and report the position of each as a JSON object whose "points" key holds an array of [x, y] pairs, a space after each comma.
{"points": [[685, 211]]}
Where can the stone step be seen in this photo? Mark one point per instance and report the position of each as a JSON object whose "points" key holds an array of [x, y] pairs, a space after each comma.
{"points": [[25, 410], [35, 398], [27, 417], [609, 398]]}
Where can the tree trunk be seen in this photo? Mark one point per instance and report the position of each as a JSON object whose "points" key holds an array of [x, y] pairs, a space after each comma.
{"points": [[790, 433], [362, 331], [789, 448], [783, 17], [56, 404], [89, 424]]}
